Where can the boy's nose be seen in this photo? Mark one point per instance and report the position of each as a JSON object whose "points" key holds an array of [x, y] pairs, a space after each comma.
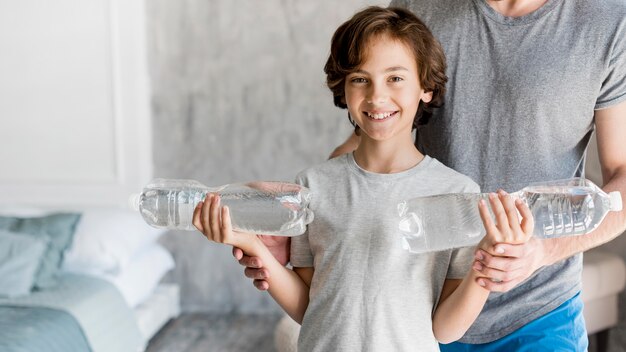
{"points": [[376, 100], [378, 95]]}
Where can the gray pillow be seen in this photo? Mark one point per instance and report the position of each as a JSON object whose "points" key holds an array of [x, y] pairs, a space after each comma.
{"points": [[58, 229], [20, 257]]}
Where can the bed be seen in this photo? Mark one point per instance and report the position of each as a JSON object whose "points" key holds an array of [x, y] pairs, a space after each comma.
{"points": [[82, 281]]}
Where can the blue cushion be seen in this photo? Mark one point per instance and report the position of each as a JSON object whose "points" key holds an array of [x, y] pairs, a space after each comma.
{"points": [[58, 229], [20, 257]]}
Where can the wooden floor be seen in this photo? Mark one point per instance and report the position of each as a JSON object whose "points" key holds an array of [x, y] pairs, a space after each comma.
{"points": [[216, 332]]}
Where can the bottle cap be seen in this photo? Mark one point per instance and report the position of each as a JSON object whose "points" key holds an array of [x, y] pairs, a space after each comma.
{"points": [[615, 198], [133, 201]]}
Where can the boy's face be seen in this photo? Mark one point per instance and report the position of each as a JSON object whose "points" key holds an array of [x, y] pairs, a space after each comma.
{"points": [[384, 93]]}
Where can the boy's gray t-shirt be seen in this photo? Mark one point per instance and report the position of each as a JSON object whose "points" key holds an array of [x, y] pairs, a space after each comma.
{"points": [[368, 293], [519, 109]]}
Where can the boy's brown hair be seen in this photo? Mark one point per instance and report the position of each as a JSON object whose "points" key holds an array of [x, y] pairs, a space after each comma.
{"points": [[348, 49]]}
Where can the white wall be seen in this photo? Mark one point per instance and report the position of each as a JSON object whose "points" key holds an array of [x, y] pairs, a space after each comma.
{"points": [[75, 123]]}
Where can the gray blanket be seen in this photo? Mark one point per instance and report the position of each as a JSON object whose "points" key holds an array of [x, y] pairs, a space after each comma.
{"points": [[36, 329]]}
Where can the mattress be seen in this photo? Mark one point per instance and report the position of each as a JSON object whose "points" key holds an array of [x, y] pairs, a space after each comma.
{"points": [[157, 310], [105, 320]]}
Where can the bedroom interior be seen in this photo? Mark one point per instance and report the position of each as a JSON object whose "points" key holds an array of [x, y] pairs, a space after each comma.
{"points": [[100, 97]]}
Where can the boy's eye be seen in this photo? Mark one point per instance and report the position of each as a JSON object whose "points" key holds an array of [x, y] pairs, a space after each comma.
{"points": [[396, 79], [358, 80]]}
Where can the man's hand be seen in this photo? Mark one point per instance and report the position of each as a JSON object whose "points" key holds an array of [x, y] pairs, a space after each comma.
{"points": [[278, 245], [512, 264], [508, 254]]}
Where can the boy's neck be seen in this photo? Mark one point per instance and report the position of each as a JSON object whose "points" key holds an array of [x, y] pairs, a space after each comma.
{"points": [[387, 157]]}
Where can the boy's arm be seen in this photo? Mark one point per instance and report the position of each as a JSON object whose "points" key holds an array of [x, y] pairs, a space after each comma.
{"points": [[288, 288], [461, 301], [459, 305]]}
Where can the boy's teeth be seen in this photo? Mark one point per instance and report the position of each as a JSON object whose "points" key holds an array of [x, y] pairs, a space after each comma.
{"points": [[379, 116]]}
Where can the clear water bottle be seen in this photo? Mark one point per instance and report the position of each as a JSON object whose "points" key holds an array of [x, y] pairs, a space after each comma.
{"points": [[274, 208], [560, 208]]}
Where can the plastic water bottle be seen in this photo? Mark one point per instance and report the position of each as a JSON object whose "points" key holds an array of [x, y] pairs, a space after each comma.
{"points": [[274, 208], [560, 208]]}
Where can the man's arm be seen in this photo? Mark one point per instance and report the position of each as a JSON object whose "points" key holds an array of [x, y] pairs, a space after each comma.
{"points": [[347, 147], [611, 136], [525, 259]]}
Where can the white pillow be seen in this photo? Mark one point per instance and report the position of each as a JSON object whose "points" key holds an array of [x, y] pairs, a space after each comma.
{"points": [[23, 211], [139, 278], [106, 240]]}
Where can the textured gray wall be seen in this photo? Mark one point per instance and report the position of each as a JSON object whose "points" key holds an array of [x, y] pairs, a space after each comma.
{"points": [[239, 94]]}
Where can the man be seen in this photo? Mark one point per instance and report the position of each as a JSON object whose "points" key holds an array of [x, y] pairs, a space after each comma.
{"points": [[528, 82]]}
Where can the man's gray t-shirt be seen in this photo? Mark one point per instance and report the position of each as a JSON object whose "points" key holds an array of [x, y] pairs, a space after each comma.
{"points": [[519, 109], [368, 293]]}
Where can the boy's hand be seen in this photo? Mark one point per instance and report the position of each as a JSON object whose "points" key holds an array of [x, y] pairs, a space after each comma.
{"points": [[502, 271], [214, 223]]}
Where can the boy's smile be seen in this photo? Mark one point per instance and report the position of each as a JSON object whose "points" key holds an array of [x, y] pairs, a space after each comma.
{"points": [[380, 116]]}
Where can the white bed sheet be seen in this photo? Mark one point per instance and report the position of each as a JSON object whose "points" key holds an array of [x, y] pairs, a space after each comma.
{"points": [[138, 279], [158, 309]]}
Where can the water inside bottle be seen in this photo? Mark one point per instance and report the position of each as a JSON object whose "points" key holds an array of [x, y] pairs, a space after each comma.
{"points": [[260, 207], [559, 211], [170, 208], [560, 208], [440, 222], [264, 211]]}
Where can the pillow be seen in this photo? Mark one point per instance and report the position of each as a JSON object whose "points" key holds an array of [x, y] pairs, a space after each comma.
{"points": [[20, 257], [138, 279], [106, 239], [58, 228]]}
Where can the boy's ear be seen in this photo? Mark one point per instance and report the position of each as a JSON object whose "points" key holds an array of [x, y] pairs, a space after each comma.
{"points": [[427, 97]]}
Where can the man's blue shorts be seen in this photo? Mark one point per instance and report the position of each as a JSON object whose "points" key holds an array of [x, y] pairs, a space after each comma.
{"points": [[563, 329]]}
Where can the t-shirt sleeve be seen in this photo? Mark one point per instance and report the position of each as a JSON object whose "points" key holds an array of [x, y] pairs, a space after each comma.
{"points": [[613, 90], [301, 255], [460, 261]]}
